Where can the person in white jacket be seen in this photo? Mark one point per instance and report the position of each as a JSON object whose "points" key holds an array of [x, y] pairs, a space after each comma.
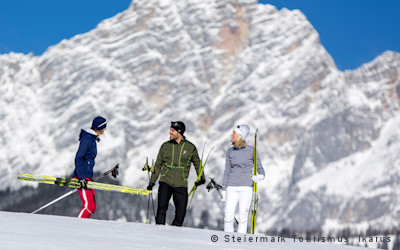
{"points": [[238, 179]]}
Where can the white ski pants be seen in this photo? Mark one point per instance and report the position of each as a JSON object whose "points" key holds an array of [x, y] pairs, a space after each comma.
{"points": [[235, 195]]}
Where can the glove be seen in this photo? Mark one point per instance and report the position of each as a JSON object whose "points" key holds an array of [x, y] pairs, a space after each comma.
{"points": [[223, 194], [83, 183], [258, 177], [200, 182], [150, 186]]}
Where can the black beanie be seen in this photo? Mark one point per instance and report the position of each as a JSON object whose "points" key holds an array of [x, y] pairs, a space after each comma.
{"points": [[179, 126]]}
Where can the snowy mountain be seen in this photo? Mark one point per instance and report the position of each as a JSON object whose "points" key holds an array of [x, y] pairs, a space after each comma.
{"points": [[327, 139], [25, 231]]}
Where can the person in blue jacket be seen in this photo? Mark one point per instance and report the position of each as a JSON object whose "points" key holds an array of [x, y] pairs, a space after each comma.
{"points": [[84, 163]]}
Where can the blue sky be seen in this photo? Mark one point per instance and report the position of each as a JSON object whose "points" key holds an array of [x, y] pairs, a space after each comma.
{"points": [[353, 31]]}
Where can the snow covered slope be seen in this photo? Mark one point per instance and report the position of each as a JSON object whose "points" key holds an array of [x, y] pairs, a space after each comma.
{"points": [[327, 139], [26, 231]]}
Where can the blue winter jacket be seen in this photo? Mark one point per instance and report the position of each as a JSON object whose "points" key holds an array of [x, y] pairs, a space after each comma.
{"points": [[84, 159]]}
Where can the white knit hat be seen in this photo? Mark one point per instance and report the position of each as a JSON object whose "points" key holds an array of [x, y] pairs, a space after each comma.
{"points": [[243, 131]]}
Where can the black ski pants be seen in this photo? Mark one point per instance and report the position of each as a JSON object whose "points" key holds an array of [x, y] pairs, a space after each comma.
{"points": [[180, 198]]}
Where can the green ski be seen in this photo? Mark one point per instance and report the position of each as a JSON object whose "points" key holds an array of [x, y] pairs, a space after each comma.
{"points": [[255, 196], [194, 188]]}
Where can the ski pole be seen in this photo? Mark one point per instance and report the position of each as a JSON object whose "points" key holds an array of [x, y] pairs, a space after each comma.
{"points": [[219, 192], [54, 201], [218, 187], [149, 169], [151, 194], [113, 171]]}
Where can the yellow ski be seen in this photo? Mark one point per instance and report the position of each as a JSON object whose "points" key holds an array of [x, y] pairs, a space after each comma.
{"points": [[74, 183]]}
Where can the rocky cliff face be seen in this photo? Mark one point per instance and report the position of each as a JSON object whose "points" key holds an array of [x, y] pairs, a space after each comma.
{"points": [[327, 139]]}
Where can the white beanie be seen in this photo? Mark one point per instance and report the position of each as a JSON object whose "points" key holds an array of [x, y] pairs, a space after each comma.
{"points": [[243, 131]]}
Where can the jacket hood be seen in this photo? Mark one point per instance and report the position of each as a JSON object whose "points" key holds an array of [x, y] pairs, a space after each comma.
{"points": [[89, 133]]}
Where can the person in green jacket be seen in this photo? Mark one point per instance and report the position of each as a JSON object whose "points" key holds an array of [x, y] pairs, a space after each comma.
{"points": [[173, 164]]}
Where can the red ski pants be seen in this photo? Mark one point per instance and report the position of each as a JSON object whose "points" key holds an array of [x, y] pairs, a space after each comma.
{"points": [[88, 202]]}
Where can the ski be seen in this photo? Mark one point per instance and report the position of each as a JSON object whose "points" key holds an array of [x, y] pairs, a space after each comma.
{"points": [[255, 195], [74, 183], [113, 171], [194, 188]]}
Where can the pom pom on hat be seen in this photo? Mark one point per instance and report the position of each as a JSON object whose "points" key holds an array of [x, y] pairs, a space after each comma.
{"points": [[243, 131]]}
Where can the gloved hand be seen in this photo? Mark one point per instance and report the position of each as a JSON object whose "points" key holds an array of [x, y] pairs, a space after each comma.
{"points": [[150, 186], [83, 183], [223, 194], [258, 177], [200, 182]]}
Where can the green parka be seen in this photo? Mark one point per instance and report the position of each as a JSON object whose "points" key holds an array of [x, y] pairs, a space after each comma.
{"points": [[173, 163]]}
